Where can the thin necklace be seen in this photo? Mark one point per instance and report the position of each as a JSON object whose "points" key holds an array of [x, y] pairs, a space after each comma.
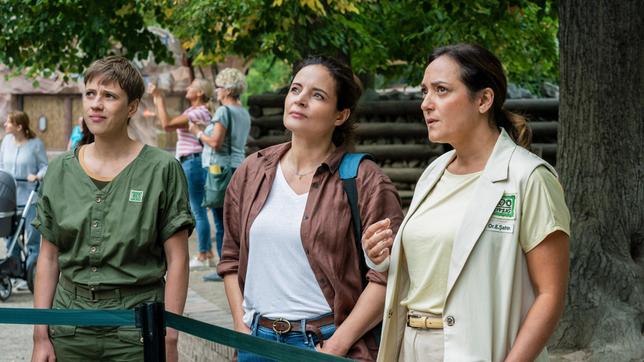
{"points": [[300, 175]]}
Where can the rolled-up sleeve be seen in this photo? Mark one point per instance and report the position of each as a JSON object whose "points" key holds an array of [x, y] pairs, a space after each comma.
{"points": [[44, 220]]}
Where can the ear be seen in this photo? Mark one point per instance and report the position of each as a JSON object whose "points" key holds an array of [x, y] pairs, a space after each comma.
{"points": [[342, 116], [485, 100], [132, 107]]}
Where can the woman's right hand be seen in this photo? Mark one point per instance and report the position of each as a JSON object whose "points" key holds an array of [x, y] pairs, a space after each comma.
{"points": [[377, 241], [156, 93], [43, 350], [241, 327]]}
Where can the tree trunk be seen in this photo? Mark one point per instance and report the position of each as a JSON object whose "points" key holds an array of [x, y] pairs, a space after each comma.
{"points": [[600, 158]]}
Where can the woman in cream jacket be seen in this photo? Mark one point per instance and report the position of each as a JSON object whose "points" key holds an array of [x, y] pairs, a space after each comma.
{"points": [[478, 269]]}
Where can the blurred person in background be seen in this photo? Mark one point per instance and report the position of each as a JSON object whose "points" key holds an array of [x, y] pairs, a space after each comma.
{"points": [[188, 152], [23, 155], [76, 135], [224, 148]]}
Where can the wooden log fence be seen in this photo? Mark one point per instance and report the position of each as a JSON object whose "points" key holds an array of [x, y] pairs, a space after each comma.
{"points": [[393, 131], [543, 106]]}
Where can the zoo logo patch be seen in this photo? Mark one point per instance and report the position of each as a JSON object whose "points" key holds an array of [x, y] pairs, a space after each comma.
{"points": [[505, 209], [136, 196]]}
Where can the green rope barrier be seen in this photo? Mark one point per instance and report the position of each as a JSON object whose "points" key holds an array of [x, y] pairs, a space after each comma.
{"points": [[263, 347], [100, 318], [69, 317]]}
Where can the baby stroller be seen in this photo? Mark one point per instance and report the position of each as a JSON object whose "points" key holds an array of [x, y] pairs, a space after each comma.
{"points": [[13, 227]]}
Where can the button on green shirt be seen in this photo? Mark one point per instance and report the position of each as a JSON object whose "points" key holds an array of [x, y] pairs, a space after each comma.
{"points": [[114, 236]]}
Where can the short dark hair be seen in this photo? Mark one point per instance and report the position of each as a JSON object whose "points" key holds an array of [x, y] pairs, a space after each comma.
{"points": [[114, 69], [481, 69], [348, 91], [119, 70]]}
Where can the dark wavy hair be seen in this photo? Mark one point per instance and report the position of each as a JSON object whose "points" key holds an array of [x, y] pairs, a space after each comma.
{"points": [[481, 69], [348, 90]]}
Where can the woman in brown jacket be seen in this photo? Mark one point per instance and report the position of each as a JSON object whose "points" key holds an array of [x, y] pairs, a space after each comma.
{"points": [[289, 260]]}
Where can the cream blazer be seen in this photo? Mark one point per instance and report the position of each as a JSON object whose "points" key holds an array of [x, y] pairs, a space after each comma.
{"points": [[488, 287]]}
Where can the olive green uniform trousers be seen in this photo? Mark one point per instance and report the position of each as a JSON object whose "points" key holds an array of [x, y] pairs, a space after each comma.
{"points": [[116, 344]]}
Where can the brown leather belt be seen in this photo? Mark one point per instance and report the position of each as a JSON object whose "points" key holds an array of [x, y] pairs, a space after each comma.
{"points": [[101, 293], [283, 326], [423, 321]]}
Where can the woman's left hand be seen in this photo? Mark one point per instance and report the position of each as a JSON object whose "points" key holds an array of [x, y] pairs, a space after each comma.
{"points": [[32, 178], [331, 347]]}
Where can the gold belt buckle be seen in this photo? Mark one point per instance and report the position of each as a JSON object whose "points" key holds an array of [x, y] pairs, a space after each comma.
{"points": [[281, 326]]}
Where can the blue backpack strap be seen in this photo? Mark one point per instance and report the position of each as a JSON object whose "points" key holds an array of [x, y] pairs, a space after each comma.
{"points": [[348, 173], [350, 163]]}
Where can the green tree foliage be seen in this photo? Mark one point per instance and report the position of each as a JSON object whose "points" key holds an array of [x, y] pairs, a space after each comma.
{"points": [[266, 74], [391, 37], [38, 37], [522, 33], [287, 29]]}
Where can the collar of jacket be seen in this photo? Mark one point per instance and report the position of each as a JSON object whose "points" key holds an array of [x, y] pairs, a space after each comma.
{"points": [[270, 156], [497, 166]]}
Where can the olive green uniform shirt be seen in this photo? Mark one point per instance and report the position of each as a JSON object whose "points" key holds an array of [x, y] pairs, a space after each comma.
{"points": [[114, 236]]}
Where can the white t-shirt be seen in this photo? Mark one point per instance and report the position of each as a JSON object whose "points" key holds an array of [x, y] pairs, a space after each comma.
{"points": [[279, 281]]}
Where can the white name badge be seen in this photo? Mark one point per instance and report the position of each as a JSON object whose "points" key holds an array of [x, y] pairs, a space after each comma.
{"points": [[500, 227]]}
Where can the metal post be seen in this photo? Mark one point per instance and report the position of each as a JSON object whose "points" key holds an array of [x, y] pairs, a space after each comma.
{"points": [[149, 317]]}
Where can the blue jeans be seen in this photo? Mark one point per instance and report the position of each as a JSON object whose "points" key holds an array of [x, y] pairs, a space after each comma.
{"points": [[298, 339], [32, 237], [218, 215], [196, 176]]}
